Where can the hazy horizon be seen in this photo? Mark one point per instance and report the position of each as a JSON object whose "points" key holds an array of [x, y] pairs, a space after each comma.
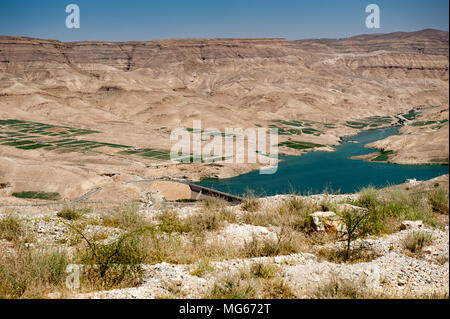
{"points": [[224, 38], [136, 20]]}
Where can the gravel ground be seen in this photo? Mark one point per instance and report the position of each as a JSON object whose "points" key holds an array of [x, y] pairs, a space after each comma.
{"points": [[395, 272]]}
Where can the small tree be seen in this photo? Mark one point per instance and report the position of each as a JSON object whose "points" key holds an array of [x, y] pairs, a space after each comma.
{"points": [[355, 226]]}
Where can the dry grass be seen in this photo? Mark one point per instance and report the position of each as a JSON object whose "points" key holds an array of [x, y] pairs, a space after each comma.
{"points": [[336, 255], [292, 212], [125, 217], [202, 267], [261, 281], [251, 203], [340, 288], [416, 240], [116, 263], [26, 273], [439, 201], [208, 220], [13, 228], [287, 242], [264, 270], [197, 223]]}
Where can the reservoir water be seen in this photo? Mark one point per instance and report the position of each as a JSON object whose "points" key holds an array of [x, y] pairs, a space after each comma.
{"points": [[316, 171]]}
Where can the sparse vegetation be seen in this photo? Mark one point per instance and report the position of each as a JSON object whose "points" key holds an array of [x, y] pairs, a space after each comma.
{"points": [[336, 255], [198, 223], [388, 210], [251, 203], [337, 288], [126, 217], [203, 267], [12, 227], [292, 212], [72, 212], [416, 240], [355, 226], [114, 264], [266, 271], [251, 284], [438, 199], [232, 288], [287, 242], [32, 273]]}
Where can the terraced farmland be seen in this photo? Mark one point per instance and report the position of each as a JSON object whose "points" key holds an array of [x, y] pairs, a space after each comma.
{"points": [[372, 122], [299, 145], [383, 157], [300, 127], [27, 135]]}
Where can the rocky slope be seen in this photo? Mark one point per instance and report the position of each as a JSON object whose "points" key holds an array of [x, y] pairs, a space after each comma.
{"points": [[294, 261]]}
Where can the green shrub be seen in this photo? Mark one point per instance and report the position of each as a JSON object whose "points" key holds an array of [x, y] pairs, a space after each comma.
{"points": [[355, 227], [204, 221], [72, 212], [114, 264], [169, 222], [368, 197]]}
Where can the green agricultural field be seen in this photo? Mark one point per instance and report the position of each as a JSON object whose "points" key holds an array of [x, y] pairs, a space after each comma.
{"points": [[423, 123], [411, 115], [27, 135], [379, 119], [311, 131], [150, 153], [18, 143], [359, 125], [290, 123], [288, 130], [32, 146], [372, 121], [299, 145], [383, 157], [37, 195]]}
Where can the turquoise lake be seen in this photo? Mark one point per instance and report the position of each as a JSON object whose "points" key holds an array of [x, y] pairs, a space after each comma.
{"points": [[316, 171]]}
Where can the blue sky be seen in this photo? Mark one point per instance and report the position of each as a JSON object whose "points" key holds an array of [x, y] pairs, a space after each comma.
{"points": [[139, 20]]}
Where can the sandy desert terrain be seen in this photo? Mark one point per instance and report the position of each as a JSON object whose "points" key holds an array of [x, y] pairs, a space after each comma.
{"points": [[75, 117]]}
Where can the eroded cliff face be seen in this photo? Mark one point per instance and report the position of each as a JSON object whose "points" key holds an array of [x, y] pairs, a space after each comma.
{"points": [[135, 92], [272, 77]]}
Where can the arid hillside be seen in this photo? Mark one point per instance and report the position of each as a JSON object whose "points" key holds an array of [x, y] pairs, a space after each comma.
{"points": [[116, 103]]}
